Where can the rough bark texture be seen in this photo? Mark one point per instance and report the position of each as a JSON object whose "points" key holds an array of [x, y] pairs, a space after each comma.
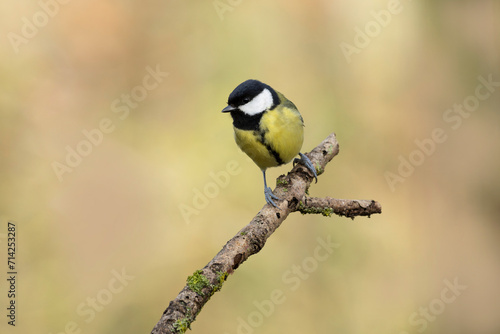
{"points": [[341, 207], [248, 241]]}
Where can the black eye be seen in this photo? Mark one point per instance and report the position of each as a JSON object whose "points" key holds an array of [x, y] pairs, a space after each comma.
{"points": [[246, 100]]}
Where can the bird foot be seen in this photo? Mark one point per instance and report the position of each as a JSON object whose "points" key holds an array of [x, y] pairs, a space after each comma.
{"points": [[270, 196], [304, 160]]}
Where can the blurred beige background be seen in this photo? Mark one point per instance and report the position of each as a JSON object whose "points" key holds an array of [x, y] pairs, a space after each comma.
{"points": [[107, 236]]}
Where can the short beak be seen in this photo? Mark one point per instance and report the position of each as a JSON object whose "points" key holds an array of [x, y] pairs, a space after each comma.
{"points": [[228, 109]]}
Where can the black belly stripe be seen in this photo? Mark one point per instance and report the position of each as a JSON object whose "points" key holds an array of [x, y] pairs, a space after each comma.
{"points": [[275, 155], [273, 152]]}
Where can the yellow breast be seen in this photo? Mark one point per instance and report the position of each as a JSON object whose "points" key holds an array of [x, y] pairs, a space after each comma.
{"points": [[278, 140]]}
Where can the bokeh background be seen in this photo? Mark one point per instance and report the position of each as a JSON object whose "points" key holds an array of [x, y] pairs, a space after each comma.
{"points": [[120, 209]]}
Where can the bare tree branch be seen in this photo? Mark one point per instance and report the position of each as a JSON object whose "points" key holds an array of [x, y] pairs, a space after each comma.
{"points": [[292, 188], [342, 207]]}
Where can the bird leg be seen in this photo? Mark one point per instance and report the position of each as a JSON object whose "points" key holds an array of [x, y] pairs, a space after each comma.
{"points": [[268, 193]]}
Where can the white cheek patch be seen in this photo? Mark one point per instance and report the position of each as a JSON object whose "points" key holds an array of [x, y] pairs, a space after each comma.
{"points": [[260, 103]]}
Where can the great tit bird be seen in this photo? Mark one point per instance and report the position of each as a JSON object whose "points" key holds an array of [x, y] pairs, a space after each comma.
{"points": [[267, 127]]}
